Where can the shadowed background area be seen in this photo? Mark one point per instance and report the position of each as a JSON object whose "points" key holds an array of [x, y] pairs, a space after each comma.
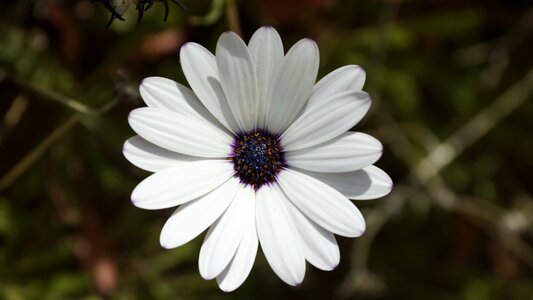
{"points": [[451, 83]]}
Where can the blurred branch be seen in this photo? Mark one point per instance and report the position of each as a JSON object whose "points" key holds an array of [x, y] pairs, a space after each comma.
{"points": [[13, 115], [425, 175], [497, 53], [492, 217], [359, 278], [66, 101], [218, 7], [214, 13], [388, 14], [37, 152], [477, 127], [232, 15]]}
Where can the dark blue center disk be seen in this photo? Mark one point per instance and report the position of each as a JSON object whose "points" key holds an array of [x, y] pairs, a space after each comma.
{"points": [[257, 158]]}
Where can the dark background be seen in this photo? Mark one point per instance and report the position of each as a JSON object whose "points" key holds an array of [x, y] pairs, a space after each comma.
{"points": [[452, 85]]}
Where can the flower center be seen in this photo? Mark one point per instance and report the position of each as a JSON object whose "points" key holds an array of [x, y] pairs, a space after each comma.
{"points": [[257, 158]]}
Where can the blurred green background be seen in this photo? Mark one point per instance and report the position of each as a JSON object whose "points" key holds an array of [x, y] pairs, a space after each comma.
{"points": [[452, 85]]}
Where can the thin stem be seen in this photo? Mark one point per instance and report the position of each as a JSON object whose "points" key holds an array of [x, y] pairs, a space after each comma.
{"points": [[425, 178], [37, 152], [232, 15], [212, 16], [67, 101], [443, 154], [23, 165]]}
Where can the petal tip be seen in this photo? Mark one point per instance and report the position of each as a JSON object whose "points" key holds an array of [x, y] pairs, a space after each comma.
{"points": [[228, 34], [167, 241], [148, 79], [135, 201], [207, 276], [387, 182], [203, 268], [267, 29], [225, 35], [294, 279], [329, 267], [361, 231], [356, 233], [152, 81], [165, 245], [298, 282], [125, 148], [185, 46], [358, 229], [311, 42], [227, 289], [132, 114]]}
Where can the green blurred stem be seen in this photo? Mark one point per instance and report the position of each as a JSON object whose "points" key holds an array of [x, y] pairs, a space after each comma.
{"points": [[218, 7], [232, 16], [37, 152], [215, 12], [443, 154], [425, 178], [66, 101], [23, 165]]}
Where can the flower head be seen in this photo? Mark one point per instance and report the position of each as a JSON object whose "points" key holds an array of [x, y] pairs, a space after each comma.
{"points": [[259, 154]]}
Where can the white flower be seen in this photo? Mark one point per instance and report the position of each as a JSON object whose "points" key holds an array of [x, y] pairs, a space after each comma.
{"points": [[259, 154]]}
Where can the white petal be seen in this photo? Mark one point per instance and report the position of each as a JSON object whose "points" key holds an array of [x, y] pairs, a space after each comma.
{"points": [[200, 69], [175, 132], [322, 123], [347, 78], [348, 152], [240, 266], [365, 184], [322, 204], [150, 157], [266, 50], [192, 218], [292, 86], [238, 80], [159, 92], [279, 238], [320, 246], [180, 184], [223, 238]]}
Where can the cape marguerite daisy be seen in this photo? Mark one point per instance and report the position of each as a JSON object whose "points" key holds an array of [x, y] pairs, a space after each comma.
{"points": [[259, 154]]}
